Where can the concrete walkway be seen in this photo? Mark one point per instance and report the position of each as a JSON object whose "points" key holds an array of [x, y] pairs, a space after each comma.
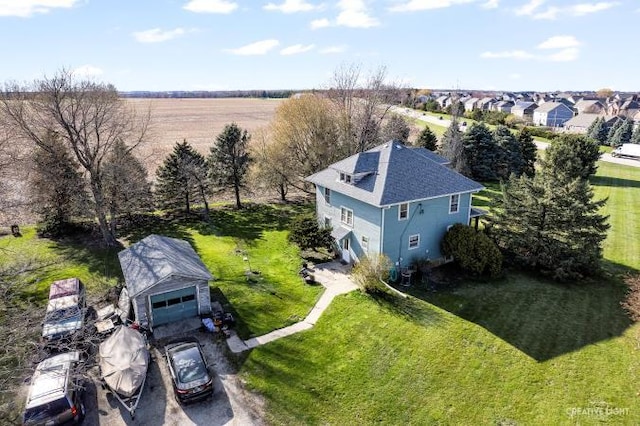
{"points": [[334, 278]]}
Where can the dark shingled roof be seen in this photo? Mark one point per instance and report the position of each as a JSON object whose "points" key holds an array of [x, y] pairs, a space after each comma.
{"points": [[401, 174]]}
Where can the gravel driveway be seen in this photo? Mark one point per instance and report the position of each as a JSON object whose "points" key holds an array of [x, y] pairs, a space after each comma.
{"points": [[230, 405]]}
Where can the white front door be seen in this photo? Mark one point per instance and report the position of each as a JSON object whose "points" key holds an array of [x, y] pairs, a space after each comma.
{"points": [[346, 256]]}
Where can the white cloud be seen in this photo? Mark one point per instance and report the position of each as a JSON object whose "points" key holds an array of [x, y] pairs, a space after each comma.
{"points": [[26, 8], [156, 35], [533, 10], [491, 4], [211, 6], [258, 48], [416, 5], [296, 49], [291, 6], [508, 54], [320, 23], [333, 49], [559, 42], [529, 8], [565, 55], [355, 14], [586, 8], [86, 71]]}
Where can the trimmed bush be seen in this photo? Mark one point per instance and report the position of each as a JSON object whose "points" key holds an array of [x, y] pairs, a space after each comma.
{"points": [[307, 234], [472, 250]]}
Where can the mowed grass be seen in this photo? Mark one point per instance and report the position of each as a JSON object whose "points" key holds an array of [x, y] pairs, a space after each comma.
{"points": [[520, 350], [252, 239]]}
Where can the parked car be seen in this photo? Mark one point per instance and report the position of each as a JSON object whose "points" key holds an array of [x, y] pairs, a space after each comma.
{"points": [[66, 310], [190, 374], [55, 394]]}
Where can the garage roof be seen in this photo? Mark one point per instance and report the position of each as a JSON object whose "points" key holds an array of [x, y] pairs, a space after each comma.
{"points": [[155, 258]]}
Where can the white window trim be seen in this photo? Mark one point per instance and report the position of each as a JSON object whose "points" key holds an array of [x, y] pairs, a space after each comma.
{"points": [[457, 210], [327, 199], [400, 211], [347, 216], [327, 218], [417, 245]]}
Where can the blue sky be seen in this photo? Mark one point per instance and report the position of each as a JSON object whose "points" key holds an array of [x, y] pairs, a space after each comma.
{"points": [[297, 44]]}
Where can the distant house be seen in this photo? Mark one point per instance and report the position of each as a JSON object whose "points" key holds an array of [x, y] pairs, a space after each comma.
{"points": [[166, 281], [588, 106], [581, 122], [503, 106], [552, 114], [524, 110], [392, 199], [442, 101], [486, 103], [471, 104]]}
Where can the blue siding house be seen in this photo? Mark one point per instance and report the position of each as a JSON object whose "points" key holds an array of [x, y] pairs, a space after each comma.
{"points": [[392, 199]]}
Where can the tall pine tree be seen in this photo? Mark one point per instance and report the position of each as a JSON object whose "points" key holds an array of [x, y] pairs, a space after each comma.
{"points": [[598, 131], [427, 139], [550, 222], [229, 159], [482, 152], [572, 156], [512, 161], [529, 152], [183, 178], [635, 136], [126, 187], [452, 147], [612, 131], [623, 133]]}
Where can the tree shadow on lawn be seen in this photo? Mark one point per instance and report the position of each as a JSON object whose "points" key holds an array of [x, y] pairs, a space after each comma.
{"points": [[614, 182], [541, 318]]}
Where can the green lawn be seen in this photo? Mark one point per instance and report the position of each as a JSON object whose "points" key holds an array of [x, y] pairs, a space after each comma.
{"points": [[517, 351]]}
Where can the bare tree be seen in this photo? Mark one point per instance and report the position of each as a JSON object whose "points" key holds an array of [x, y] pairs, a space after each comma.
{"points": [[271, 167], [88, 116], [361, 108]]}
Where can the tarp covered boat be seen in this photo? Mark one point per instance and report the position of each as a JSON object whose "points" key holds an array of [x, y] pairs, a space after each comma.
{"points": [[124, 360]]}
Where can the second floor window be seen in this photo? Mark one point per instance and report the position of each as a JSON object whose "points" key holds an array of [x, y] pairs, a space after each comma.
{"points": [[365, 243], [346, 216], [454, 203], [403, 211], [327, 195]]}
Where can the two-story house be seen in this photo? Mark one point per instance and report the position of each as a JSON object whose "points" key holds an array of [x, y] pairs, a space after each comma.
{"points": [[392, 199]]}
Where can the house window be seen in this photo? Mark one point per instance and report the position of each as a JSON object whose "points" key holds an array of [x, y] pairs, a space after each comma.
{"points": [[346, 216], [327, 222], [365, 243], [346, 178], [342, 177], [403, 211], [414, 241], [327, 195], [454, 203]]}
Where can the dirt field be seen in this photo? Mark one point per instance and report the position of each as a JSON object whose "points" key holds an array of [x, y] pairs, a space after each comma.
{"points": [[198, 121]]}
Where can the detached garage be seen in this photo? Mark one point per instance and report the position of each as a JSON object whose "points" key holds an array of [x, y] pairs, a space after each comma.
{"points": [[166, 280]]}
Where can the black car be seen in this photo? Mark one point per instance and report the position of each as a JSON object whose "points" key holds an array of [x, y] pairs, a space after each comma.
{"points": [[189, 371]]}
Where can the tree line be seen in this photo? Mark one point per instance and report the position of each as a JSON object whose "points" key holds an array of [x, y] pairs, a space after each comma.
{"points": [[621, 132]]}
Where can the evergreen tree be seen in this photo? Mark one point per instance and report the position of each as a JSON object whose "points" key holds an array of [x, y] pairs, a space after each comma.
{"points": [[182, 178], [482, 152], [551, 225], [612, 131], [512, 161], [126, 185], [529, 152], [622, 134], [598, 131], [572, 156], [229, 159], [635, 136], [427, 139], [452, 147], [58, 190]]}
